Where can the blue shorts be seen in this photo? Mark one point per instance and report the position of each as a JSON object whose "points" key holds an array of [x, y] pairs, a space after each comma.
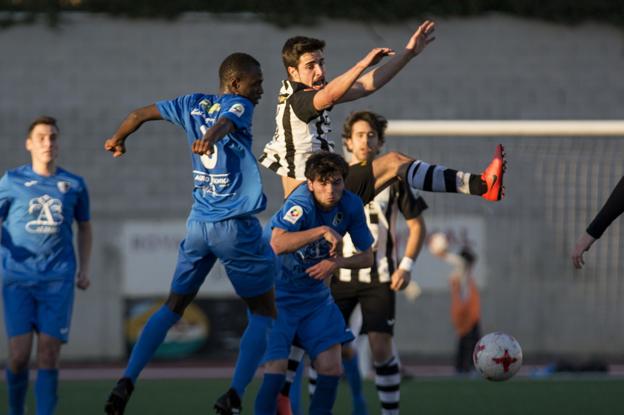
{"points": [[316, 329], [44, 307], [248, 259]]}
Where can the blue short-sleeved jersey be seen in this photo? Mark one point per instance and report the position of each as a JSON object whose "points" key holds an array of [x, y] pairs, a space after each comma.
{"points": [[226, 184], [300, 213], [37, 214]]}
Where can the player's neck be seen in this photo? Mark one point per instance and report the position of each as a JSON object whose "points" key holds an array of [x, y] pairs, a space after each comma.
{"points": [[44, 169]]}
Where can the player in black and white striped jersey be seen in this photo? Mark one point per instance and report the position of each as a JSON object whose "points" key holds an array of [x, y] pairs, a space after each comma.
{"points": [[303, 124], [375, 288]]}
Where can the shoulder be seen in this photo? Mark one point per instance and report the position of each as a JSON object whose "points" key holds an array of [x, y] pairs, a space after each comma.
{"points": [[16, 173], [350, 201]]}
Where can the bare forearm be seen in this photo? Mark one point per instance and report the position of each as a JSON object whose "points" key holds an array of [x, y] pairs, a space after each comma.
{"points": [[85, 244], [284, 242], [338, 87], [360, 260], [378, 77], [135, 119], [416, 237]]}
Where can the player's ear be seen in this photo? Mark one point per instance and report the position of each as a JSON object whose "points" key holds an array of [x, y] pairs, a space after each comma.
{"points": [[309, 182], [234, 84], [293, 73], [348, 143], [28, 143]]}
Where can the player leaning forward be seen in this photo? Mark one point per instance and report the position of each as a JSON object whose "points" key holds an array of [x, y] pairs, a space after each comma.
{"points": [[227, 192], [307, 236], [38, 204], [303, 124]]}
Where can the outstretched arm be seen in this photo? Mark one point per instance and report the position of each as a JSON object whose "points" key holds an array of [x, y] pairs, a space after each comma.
{"points": [[613, 207], [378, 77], [334, 91], [401, 277], [116, 144]]}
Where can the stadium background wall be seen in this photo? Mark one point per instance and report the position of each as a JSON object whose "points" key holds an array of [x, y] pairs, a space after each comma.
{"points": [[90, 71]]}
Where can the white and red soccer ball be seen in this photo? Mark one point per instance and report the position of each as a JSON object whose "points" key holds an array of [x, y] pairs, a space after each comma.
{"points": [[497, 356]]}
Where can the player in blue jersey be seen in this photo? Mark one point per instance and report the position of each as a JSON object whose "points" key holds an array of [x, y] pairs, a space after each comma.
{"points": [[306, 233], [38, 205], [227, 192]]}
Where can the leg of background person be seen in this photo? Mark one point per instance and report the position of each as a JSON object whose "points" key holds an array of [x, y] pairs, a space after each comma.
{"points": [[421, 175], [48, 354], [17, 372], [387, 372], [352, 373]]}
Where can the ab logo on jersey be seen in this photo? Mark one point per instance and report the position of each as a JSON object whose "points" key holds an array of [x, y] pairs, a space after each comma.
{"points": [[294, 214], [237, 109], [49, 215]]}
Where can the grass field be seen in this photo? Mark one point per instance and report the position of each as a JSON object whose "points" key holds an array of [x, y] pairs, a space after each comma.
{"points": [[567, 396]]}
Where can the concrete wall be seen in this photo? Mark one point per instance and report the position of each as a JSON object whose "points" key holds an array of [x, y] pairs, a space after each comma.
{"points": [[92, 70]]}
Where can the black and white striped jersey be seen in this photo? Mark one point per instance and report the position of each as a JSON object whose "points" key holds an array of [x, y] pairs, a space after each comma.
{"points": [[300, 130], [381, 216]]}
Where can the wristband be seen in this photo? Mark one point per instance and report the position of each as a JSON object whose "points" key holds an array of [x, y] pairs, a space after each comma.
{"points": [[406, 264]]}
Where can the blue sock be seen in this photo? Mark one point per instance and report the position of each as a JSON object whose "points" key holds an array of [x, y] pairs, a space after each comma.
{"points": [[17, 385], [295, 390], [352, 372], [266, 401], [253, 344], [151, 337], [325, 395], [45, 391]]}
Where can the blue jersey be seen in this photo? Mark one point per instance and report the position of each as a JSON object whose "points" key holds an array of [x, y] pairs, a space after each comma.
{"points": [[300, 213], [37, 214], [226, 184]]}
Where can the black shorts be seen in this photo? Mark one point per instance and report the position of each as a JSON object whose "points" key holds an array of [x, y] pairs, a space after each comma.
{"points": [[376, 299], [361, 181]]}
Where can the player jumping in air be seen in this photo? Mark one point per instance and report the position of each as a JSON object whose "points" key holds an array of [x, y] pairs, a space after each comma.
{"points": [[303, 123], [227, 193]]}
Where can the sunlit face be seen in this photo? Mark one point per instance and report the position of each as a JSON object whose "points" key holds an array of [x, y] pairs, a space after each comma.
{"points": [[42, 143], [250, 85], [310, 70], [364, 141], [328, 192]]}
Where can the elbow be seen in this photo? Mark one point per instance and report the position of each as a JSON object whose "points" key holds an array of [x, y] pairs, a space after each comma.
{"points": [[277, 247]]}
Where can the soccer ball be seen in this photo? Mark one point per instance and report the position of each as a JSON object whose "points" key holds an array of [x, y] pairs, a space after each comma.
{"points": [[497, 356], [438, 244]]}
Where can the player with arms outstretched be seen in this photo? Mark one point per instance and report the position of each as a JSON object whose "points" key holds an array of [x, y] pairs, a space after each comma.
{"points": [[303, 123], [227, 193]]}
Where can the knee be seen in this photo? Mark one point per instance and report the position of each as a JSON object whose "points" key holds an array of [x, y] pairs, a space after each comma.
{"points": [[381, 347], [348, 352], [177, 303], [18, 361], [48, 355], [276, 366], [398, 162], [328, 368]]}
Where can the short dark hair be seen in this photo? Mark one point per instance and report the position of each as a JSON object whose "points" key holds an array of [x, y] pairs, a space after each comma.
{"points": [[235, 66], [42, 119], [379, 123], [297, 46], [322, 165]]}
